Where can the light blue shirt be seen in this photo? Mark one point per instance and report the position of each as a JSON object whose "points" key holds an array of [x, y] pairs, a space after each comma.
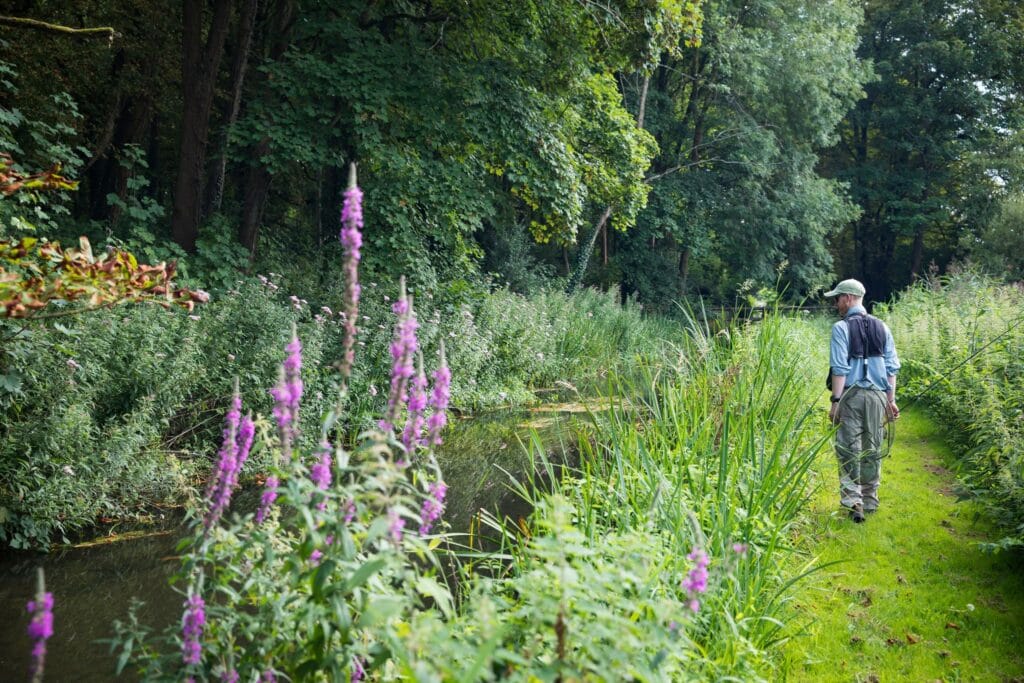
{"points": [[869, 373]]}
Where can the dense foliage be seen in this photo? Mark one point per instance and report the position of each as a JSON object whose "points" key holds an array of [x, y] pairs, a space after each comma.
{"points": [[337, 581], [963, 337], [934, 148], [108, 412]]}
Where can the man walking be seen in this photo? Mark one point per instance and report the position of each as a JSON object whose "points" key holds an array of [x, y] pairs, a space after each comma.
{"points": [[863, 361]]}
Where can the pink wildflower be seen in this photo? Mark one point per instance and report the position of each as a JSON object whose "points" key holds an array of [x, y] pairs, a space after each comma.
{"points": [[40, 629], [433, 506], [192, 624]]}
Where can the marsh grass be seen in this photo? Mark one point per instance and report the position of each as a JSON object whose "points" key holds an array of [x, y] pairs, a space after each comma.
{"points": [[711, 450]]}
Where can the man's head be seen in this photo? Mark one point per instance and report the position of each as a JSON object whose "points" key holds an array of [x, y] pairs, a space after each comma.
{"points": [[847, 293]]}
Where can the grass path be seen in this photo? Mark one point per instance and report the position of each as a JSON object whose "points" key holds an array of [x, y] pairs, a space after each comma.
{"points": [[911, 598]]}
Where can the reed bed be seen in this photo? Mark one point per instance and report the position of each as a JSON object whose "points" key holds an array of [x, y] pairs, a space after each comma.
{"points": [[713, 452]]}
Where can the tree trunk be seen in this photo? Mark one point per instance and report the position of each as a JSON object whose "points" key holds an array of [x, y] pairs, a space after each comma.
{"points": [[586, 249], [583, 258], [108, 175], [684, 270], [257, 178], [243, 44], [917, 255], [199, 66], [257, 184]]}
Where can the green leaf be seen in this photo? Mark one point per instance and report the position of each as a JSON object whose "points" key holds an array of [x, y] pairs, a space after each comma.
{"points": [[322, 572], [430, 588], [363, 574]]}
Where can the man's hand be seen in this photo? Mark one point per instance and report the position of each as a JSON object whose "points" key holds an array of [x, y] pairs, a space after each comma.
{"points": [[892, 410], [833, 414]]}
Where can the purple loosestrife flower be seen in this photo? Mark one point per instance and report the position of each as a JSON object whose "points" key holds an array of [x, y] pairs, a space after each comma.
{"points": [[439, 397], [40, 629], [433, 506], [230, 676], [351, 240], [268, 498], [395, 526], [358, 672], [696, 582], [288, 394], [320, 472], [412, 435], [192, 624], [349, 507], [218, 492], [403, 351], [268, 677]]}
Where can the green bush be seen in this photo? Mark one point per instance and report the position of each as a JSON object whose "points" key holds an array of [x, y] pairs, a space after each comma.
{"points": [[129, 399], [337, 584], [121, 407], [963, 340]]}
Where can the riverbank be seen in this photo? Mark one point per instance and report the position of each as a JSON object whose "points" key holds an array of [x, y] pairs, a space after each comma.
{"points": [[99, 578], [908, 595]]}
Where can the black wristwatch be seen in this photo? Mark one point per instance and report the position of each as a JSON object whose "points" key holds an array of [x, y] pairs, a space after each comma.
{"points": [[835, 399]]}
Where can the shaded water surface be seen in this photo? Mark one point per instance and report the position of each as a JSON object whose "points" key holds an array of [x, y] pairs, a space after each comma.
{"points": [[93, 586]]}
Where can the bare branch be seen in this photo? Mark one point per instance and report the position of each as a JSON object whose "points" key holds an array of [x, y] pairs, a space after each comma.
{"points": [[22, 22]]}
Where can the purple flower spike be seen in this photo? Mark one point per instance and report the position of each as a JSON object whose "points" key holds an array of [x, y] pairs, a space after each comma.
{"points": [[403, 351], [229, 676], [412, 435], [192, 624], [268, 498], [395, 526], [349, 507], [351, 240], [268, 677], [40, 629], [288, 394], [439, 397], [433, 506], [218, 492], [696, 581], [320, 472], [358, 672]]}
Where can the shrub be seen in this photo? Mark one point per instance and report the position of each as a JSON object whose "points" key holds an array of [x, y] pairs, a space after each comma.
{"points": [[963, 339]]}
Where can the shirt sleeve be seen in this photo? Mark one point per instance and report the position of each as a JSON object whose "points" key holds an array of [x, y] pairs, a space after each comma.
{"points": [[892, 361], [839, 350]]}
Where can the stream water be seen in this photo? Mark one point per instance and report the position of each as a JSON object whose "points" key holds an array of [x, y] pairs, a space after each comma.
{"points": [[94, 585]]}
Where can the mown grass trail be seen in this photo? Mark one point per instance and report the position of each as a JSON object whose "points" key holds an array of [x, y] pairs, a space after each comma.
{"points": [[911, 597]]}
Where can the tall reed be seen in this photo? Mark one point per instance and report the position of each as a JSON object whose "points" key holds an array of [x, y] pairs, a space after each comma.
{"points": [[714, 452]]}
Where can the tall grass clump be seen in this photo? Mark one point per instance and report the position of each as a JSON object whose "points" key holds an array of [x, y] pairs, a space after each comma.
{"points": [[963, 340], [717, 449]]}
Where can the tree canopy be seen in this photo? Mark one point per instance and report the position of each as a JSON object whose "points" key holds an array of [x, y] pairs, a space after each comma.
{"points": [[701, 148]]}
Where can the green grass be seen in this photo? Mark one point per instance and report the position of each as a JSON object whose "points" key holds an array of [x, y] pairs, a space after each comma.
{"points": [[911, 597]]}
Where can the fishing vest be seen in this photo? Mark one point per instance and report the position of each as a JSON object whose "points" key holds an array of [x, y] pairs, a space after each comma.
{"points": [[867, 339], [867, 336]]}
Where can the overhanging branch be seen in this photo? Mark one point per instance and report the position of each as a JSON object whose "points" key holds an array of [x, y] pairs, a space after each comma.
{"points": [[35, 24]]}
